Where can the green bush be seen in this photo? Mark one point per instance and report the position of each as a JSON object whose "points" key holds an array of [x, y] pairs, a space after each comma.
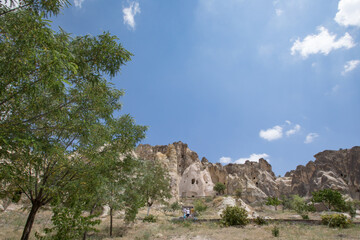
{"points": [[275, 231], [219, 188], [232, 216], [199, 206], [208, 199], [150, 218], [260, 221], [336, 220], [175, 206]]}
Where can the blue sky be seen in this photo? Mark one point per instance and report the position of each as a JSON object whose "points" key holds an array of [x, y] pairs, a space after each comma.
{"points": [[236, 79]]}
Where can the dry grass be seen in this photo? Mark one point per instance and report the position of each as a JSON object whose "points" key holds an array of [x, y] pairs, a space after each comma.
{"points": [[11, 224]]}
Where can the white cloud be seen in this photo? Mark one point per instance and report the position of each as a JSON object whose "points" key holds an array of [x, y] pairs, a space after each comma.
{"points": [[288, 122], [271, 133], [349, 13], [253, 158], [78, 3], [279, 12], [324, 43], [296, 129], [225, 160], [311, 137], [350, 65], [129, 14]]}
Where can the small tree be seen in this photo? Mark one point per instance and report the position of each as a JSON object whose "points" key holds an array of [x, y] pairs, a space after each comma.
{"points": [[330, 198], [199, 206], [155, 183], [219, 188], [273, 201]]}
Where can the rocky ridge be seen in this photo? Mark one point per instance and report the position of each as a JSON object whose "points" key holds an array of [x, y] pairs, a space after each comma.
{"points": [[194, 178]]}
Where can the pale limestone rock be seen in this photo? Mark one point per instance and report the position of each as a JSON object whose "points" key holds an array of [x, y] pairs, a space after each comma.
{"points": [[196, 181]]}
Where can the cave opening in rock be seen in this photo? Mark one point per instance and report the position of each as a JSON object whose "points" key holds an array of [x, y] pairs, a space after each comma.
{"points": [[193, 181]]}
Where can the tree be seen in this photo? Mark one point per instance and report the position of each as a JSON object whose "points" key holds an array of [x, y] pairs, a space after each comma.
{"points": [[56, 108], [219, 188], [330, 198], [154, 183], [273, 201]]}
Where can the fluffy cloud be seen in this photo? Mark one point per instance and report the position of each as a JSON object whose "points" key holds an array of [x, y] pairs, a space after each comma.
{"points": [[324, 42], [296, 129], [225, 160], [253, 158], [350, 65], [78, 3], [349, 13], [311, 137], [129, 14], [272, 133]]}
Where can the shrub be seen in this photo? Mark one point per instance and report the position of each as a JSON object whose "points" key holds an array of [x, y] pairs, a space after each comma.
{"points": [[149, 218], [336, 220], [199, 206], [275, 231], [175, 206], [219, 188], [273, 201], [260, 221], [208, 199], [232, 216]]}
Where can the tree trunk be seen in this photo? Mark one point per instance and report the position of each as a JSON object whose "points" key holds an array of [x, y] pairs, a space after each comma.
{"points": [[91, 212], [148, 211], [30, 220], [111, 221]]}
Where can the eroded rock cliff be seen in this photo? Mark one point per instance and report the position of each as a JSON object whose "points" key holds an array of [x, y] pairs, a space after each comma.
{"points": [[338, 170], [193, 178]]}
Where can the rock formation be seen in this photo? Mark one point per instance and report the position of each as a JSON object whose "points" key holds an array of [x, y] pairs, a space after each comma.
{"points": [[338, 170], [193, 178], [255, 180]]}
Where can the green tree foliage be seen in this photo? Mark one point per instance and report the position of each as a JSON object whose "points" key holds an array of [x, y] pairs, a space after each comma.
{"points": [[199, 206], [154, 183], [58, 135], [301, 207], [233, 216], [175, 206], [332, 199], [36, 6], [219, 188], [273, 201]]}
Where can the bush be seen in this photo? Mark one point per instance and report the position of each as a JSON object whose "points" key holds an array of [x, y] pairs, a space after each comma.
{"points": [[199, 206], [150, 218], [260, 221], [208, 199], [336, 220], [232, 216], [275, 231], [175, 206], [219, 188]]}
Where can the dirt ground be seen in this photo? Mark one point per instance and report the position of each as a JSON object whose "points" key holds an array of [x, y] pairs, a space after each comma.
{"points": [[12, 222]]}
